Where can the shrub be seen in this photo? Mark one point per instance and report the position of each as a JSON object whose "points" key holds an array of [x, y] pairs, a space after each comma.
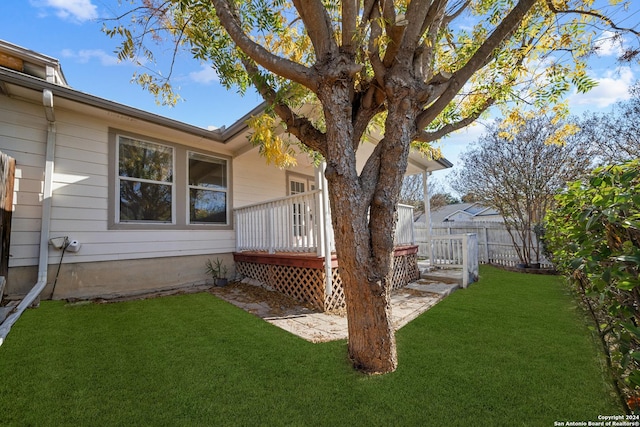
{"points": [[594, 238]]}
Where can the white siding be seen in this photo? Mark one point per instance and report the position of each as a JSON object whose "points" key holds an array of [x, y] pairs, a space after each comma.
{"points": [[80, 198], [254, 181], [22, 136]]}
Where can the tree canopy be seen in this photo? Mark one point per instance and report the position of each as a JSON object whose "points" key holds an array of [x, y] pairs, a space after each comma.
{"points": [[517, 171], [464, 56], [414, 70], [615, 136], [412, 193]]}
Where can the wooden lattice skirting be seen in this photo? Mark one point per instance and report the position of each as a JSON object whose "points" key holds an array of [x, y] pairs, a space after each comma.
{"points": [[305, 280]]}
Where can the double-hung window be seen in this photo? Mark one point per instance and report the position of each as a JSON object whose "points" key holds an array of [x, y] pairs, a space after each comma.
{"points": [[145, 176], [207, 189], [165, 185]]}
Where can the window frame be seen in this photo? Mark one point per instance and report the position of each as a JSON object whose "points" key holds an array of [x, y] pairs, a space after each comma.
{"points": [[308, 180], [119, 180], [224, 190], [180, 191]]}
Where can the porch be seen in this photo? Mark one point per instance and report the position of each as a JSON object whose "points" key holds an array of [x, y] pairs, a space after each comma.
{"points": [[304, 276], [288, 245]]}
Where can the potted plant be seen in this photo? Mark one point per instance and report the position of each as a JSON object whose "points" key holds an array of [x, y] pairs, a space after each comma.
{"points": [[218, 272]]}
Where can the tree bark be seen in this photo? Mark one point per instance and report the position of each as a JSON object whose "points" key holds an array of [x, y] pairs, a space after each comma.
{"points": [[372, 346], [364, 218]]}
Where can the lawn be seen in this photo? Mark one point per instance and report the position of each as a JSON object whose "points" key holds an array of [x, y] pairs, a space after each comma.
{"points": [[511, 350]]}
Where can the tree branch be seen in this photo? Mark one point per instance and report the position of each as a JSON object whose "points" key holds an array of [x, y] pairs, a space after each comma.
{"points": [[369, 175], [277, 65], [298, 126], [379, 69], [364, 114], [349, 17], [480, 58], [318, 25], [394, 32], [425, 136], [592, 13], [453, 15], [419, 11], [424, 54]]}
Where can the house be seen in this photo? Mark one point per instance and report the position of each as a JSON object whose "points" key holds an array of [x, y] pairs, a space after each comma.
{"points": [[111, 200], [463, 212]]}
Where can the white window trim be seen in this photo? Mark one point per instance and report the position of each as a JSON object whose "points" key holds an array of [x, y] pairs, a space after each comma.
{"points": [[308, 181]]}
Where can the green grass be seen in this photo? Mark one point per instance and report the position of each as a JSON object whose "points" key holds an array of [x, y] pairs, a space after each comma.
{"points": [[510, 350]]}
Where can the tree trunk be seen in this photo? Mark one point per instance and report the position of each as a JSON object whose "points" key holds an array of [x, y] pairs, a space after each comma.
{"points": [[371, 337], [364, 216], [372, 346], [372, 343]]}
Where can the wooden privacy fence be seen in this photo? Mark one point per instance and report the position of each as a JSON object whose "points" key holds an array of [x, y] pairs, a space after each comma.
{"points": [[495, 245], [7, 174]]}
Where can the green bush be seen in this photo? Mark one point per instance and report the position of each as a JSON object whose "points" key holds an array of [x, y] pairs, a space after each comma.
{"points": [[594, 238]]}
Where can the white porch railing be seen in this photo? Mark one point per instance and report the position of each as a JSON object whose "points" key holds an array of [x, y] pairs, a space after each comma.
{"points": [[293, 224], [454, 251], [404, 226], [289, 224]]}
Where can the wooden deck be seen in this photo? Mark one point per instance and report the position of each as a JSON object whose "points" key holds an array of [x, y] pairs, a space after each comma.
{"points": [[303, 259], [303, 275], [292, 259]]}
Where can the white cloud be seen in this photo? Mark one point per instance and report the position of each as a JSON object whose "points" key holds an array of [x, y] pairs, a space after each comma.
{"points": [[608, 44], [84, 56], [72, 10], [613, 87], [206, 75]]}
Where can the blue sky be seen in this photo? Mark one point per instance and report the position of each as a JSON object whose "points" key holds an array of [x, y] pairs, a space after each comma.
{"points": [[69, 30]]}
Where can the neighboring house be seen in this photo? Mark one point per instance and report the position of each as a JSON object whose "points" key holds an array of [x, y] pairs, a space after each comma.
{"points": [[147, 200], [463, 212]]}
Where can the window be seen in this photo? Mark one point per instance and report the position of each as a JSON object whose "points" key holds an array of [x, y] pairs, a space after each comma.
{"points": [[207, 189], [145, 175], [160, 185], [299, 215], [296, 187]]}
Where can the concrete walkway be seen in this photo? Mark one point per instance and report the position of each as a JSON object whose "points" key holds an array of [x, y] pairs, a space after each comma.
{"points": [[281, 311]]}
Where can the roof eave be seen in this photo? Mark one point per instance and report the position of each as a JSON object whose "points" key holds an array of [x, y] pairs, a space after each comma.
{"points": [[8, 76]]}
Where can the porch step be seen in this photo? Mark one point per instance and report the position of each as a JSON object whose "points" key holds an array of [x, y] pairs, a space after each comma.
{"points": [[449, 276], [425, 285]]}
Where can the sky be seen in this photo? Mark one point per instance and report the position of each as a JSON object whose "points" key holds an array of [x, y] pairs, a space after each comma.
{"points": [[70, 30]]}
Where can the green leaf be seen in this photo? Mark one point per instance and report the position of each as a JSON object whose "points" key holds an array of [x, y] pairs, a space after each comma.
{"points": [[634, 378], [626, 285], [629, 258]]}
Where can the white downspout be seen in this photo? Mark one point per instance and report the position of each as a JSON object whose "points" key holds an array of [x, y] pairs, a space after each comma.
{"points": [[47, 101]]}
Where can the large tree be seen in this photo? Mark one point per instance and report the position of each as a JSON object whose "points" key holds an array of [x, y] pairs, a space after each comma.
{"points": [[412, 193], [420, 68], [616, 134], [517, 169]]}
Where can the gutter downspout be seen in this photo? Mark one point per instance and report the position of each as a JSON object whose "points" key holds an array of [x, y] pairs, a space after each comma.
{"points": [[47, 101]]}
